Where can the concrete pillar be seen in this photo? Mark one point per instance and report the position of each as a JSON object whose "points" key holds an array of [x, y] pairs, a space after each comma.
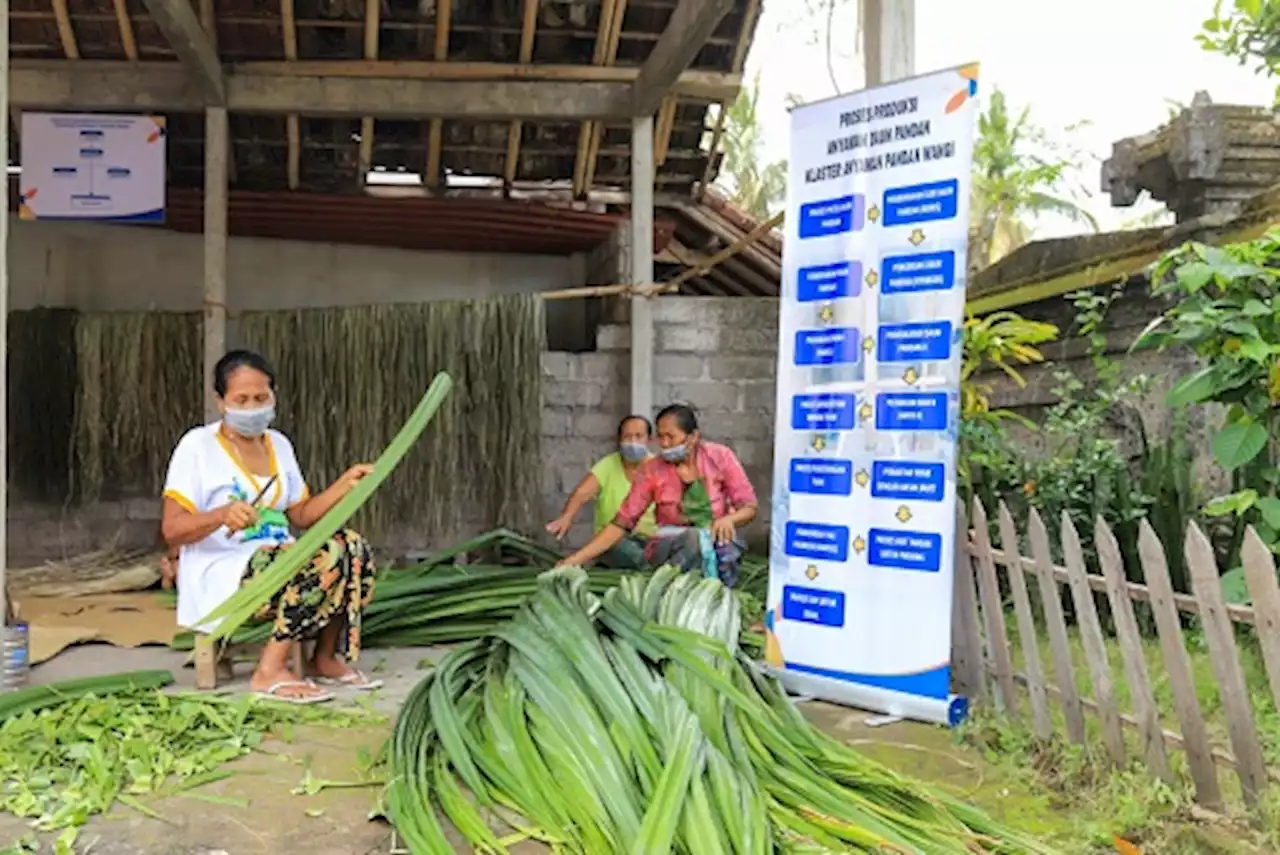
{"points": [[216, 148], [642, 181], [889, 40]]}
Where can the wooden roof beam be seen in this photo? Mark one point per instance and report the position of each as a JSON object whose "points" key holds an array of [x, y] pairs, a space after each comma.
{"points": [[127, 41], [292, 124], [691, 24], [435, 136], [527, 30], [372, 29], [66, 33], [193, 46], [124, 86]]}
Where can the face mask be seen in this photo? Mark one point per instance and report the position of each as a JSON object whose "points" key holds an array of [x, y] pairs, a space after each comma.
{"points": [[675, 454], [250, 423], [633, 452]]}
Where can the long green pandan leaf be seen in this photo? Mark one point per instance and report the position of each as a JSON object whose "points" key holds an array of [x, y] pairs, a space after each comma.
{"points": [[38, 697], [248, 600], [635, 723]]}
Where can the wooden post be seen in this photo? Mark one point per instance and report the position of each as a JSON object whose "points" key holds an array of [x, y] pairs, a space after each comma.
{"points": [[1219, 635], [1051, 600], [1135, 662], [1260, 574], [1095, 646], [642, 178], [1026, 626], [967, 667], [993, 611], [1155, 572], [4, 304], [215, 248]]}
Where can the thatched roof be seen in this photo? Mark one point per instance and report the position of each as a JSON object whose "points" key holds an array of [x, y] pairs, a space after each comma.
{"points": [[391, 47]]}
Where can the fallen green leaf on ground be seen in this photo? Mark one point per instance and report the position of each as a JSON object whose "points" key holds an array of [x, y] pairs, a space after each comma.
{"points": [[62, 761]]}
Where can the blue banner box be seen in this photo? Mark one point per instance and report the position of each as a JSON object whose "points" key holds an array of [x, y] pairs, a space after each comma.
{"points": [[818, 541], [911, 411], [900, 479], [833, 216], [821, 477], [923, 271], [914, 342], [812, 605], [921, 203], [823, 412], [905, 550], [835, 346], [829, 281]]}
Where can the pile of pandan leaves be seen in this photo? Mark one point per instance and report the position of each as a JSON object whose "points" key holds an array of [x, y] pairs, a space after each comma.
{"points": [[633, 723]]}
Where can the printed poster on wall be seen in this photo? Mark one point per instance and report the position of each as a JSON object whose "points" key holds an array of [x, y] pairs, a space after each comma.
{"points": [[92, 167], [869, 356]]}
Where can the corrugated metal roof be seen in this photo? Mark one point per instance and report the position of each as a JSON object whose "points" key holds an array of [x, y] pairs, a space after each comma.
{"points": [[460, 225]]}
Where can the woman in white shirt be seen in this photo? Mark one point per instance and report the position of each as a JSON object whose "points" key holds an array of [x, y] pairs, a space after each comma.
{"points": [[233, 491]]}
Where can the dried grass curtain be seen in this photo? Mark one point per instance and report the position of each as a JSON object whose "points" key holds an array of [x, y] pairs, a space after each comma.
{"points": [[42, 401], [348, 378], [138, 390]]}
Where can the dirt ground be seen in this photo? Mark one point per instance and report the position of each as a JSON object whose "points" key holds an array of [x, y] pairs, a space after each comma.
{"points": [[336, 821]]}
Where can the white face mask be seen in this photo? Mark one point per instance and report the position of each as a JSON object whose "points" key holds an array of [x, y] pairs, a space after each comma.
{"points": [[250, 422]]}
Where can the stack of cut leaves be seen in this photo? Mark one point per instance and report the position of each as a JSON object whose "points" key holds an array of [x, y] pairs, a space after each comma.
{"points": [[71, 750], [633, 723], [440, 602]]}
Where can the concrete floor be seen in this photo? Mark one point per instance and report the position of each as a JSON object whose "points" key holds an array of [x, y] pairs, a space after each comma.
{"points": [[335, 822]]}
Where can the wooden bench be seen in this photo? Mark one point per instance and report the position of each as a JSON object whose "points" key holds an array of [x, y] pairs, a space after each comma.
{"points": [[213, 666]]}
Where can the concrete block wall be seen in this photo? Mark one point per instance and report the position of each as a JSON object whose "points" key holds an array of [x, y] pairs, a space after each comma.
{"points": [[716, 354]]}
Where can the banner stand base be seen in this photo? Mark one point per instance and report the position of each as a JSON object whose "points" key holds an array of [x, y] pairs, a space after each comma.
{"points": [[951, 711]]}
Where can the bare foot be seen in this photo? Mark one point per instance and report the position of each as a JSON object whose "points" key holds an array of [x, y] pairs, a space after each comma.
{"points": [[287, 685], [329, 666]]}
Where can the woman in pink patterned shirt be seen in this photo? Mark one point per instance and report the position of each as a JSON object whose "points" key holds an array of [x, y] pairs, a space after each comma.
{"points": [[701, 496]]}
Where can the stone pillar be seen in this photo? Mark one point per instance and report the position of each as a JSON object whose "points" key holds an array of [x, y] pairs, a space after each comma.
{"points": [[642, 180], [216, 149]]}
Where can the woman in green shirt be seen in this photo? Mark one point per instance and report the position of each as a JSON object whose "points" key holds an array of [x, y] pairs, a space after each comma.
{"points": [[609, 482]]}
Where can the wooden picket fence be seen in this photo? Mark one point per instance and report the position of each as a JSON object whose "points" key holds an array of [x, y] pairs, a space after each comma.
{"points": [[983, 660]]}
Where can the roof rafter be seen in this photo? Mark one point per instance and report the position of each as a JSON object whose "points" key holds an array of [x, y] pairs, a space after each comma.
{"points": [[527, 30], [739, 60], [194, 47], [127, 41], [691, 24], [66, 34], [435, 137], [292, 125], [372, 25]]}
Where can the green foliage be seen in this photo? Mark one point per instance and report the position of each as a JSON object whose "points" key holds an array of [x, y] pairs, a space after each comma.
{"points": [[1249, 30], [757, 188], [1226, 312], [1018, 174]]}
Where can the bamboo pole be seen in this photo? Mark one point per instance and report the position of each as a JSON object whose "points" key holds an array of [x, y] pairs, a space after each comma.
{"points": [[672, 285]]}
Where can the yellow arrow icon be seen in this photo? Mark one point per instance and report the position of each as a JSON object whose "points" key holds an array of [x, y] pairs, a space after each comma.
{"points": [[826, 313], [873, 213], [811, 572], [859, 544], [862, 478], [819, 442], [911, 376], [868, 344], [873, 279], [864, 412], [917, 237], [903, 514]]}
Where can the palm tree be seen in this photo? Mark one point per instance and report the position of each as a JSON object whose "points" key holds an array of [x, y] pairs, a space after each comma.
{"points": [[1012, 184], [756, 189]]}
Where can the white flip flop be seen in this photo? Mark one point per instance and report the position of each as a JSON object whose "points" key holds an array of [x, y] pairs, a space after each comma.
{"points": [[272, 693], [354, 680]]}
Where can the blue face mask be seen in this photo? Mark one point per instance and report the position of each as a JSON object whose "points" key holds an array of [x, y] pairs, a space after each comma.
{"points": [[633, 452], [676, 453], [250, 423]]}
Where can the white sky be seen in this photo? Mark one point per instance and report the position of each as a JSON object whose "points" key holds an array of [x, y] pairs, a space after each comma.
{"points": [[1110, 62]]}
